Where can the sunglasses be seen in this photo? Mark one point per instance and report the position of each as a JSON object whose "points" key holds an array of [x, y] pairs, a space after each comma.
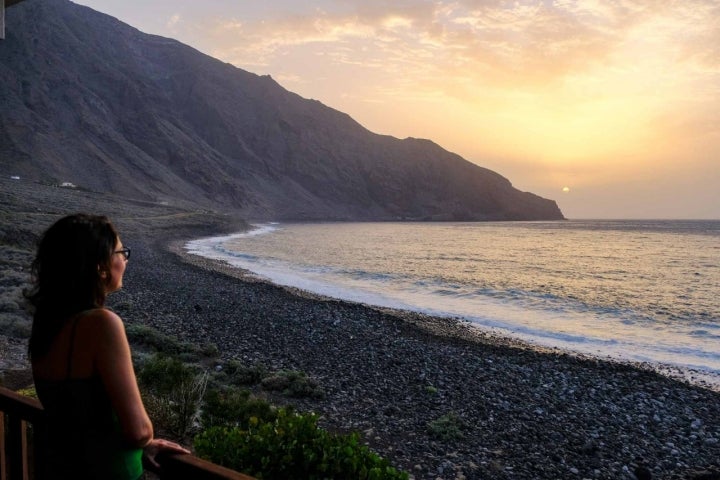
{"points": [[125, 252]]}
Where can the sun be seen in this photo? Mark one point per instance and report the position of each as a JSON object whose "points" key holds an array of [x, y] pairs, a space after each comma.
{"points": [[566, 189]]}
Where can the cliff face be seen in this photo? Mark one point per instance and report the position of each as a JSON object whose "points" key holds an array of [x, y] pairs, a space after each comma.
{"points": [[89, 100]]}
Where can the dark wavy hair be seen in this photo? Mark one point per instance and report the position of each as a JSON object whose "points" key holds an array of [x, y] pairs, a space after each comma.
{"points": [[66, 272]]}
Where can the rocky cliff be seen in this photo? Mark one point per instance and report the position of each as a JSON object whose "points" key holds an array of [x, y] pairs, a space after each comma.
{"points": [[89, 100]]}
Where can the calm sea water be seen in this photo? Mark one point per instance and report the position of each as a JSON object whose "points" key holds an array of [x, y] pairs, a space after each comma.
{"points": [[644, 291]]}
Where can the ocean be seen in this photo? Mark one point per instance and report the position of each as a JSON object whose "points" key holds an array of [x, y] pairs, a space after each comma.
{"points": [[641, 291]]}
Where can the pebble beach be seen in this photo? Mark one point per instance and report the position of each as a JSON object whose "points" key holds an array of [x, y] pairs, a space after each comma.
{"points": [[516, 411]]}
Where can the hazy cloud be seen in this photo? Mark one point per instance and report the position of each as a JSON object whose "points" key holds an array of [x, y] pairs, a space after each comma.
{"points": [[173, 21], [518, 43]]}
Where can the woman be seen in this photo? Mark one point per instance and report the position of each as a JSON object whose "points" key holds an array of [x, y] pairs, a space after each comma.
{"points": [[97, 424]]}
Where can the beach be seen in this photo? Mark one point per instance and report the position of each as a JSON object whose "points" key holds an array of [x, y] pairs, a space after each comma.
{"points": [[517, 411]]}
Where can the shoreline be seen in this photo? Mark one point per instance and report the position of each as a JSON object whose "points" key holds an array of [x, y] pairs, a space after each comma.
{"points": [[518, 412], [440, 326], [452, 325]]}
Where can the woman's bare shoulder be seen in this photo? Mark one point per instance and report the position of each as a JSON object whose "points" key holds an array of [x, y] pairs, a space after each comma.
{"points": [[102, 320]]}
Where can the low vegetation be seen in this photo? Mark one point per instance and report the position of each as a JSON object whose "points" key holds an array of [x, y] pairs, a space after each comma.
{"points": [[14, 279], [232, 427], [292, 446], [447, 427], [173, 393], [292, 384]]}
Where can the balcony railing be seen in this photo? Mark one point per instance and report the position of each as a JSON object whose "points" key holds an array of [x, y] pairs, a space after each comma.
{"points": [[18, 455]]}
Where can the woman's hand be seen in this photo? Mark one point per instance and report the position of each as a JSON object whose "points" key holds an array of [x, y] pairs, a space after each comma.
{"points": [[157, 446]]}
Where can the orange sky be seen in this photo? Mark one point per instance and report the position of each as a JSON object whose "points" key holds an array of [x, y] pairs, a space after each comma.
{"points": [[617, 100]]}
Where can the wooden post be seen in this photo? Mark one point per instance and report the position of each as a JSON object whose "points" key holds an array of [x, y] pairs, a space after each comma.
{"points": [[3, 456], [17, 457], [2, 19]]}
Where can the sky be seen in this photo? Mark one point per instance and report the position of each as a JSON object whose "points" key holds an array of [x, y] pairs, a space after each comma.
{"points": [[609, 107]]}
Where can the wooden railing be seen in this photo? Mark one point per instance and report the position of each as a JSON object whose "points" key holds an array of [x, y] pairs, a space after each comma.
{"points": [[18, 455]]}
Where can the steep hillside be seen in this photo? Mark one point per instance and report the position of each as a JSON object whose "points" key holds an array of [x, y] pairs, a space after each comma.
{"points": [[89, 100]]}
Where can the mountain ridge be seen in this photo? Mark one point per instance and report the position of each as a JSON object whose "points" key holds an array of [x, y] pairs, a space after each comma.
{"points": [[95, 102]]}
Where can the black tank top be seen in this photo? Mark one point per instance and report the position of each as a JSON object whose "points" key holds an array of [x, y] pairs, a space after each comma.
{"points": [[83, 435]]}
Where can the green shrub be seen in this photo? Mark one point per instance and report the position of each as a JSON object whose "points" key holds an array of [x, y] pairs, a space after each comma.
{"points": [[292, 384], [234, 408], [292, 446], [209, 350], [28, 392], [447, 427], [239, 374], [152, 338], [172, 393], [139, 334], [162, 374]]}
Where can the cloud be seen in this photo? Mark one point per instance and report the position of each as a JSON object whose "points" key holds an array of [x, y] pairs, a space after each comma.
{"points": [[595, 68], [173, 21], [517, 43]]}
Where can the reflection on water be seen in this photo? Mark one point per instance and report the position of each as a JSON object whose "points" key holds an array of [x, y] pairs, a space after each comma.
{"points": [[645, 290]]}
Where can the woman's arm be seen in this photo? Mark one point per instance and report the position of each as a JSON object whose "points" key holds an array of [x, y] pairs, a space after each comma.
{"points": [[114, 365]]}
